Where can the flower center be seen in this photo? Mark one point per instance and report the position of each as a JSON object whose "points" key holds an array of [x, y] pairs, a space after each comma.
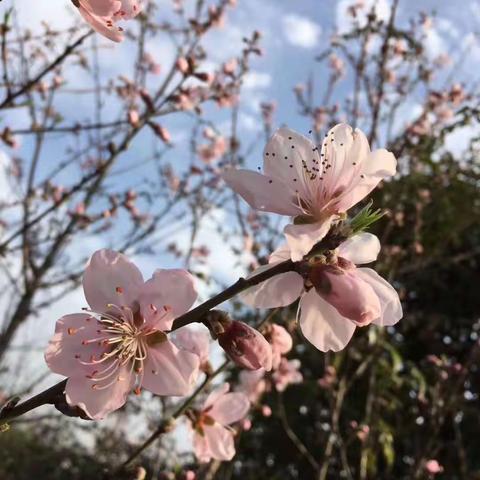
{"points": [[126, 338]]}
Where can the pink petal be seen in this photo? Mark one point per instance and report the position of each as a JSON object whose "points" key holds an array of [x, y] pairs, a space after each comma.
{"points": [[302, 238], [360, 249], [280, 338], [193, 341], [172, 290], [99, 24], [102, 8], [353, 298], [345, 151], [380, 164], [281, 342], [322, 325], [98, 403], [216, 394], [230, 408], [278, 291], [130, 9], [288, 373], [282, 162], [262, 192], [66, 350], [281, 254], [246, 346], [217, 443], [201, 447], [390, 304], [170, 371], [110, 277]]}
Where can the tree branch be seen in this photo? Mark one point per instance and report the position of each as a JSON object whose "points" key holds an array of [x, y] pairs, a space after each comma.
{"points": [[51, 395]]}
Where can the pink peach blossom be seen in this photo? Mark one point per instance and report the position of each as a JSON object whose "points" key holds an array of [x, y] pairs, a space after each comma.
{"points": [[212, 151], [102, 15], [213, 439], [120, 344], [287, 374], [336, 298], [246, 346], [281, 342], [312, 184]]}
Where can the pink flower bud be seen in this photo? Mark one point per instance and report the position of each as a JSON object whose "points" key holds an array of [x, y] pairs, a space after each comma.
{"points": [[353, 298], [246, 346], [183, 65], [133, 117], [161, 132]]}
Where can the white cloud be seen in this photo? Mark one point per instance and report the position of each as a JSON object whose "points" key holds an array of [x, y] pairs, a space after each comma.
{"points": [[458, 141], [254, 80], [300, 31], [250, 122], [58, 13], [434, 43]]}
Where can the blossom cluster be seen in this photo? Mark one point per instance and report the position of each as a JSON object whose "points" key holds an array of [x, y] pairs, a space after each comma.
{"points": [[127, 339]]}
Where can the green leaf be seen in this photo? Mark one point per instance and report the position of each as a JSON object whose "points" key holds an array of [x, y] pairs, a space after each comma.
{"points": [[364, 218]]}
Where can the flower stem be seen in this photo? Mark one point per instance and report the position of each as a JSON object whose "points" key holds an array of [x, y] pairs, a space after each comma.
{"points": [[239, 286], [47, 396]]}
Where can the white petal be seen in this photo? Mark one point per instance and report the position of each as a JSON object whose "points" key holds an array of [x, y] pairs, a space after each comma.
{"points": [[302, 238], [322, 325], [381, 163], [346, 152], [278, 291], [389, 301], [262, 192], [360, 249], [284, 157]]}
